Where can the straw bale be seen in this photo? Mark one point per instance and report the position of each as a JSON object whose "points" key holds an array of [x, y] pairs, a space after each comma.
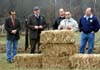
{"points": [[57, 36], [85, 60], [28, 60], [58, 49], [55, 62], [2, 49]]}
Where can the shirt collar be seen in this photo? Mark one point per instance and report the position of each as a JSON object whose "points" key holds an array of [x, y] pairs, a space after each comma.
{"points": [[36, 15], [91, 16], [69, 19], [85, 16]]}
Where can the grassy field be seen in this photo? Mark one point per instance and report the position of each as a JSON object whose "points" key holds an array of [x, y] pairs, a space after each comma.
{"points": [[6, 66]]}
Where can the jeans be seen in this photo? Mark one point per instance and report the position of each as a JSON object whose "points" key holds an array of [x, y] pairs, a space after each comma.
{"points": [[87, 38], [11, 49]]}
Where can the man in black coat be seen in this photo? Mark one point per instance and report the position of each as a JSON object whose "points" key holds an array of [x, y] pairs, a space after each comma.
{"points": [[12, 26], [59, 18], [36, 24]]}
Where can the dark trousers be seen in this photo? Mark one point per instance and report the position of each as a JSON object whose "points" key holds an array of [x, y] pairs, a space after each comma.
{"points": [[33, 43]]}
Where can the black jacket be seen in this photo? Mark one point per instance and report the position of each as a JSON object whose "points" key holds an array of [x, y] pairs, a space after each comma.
{"points": [[57, 22], [9, 27], [33, 21]]}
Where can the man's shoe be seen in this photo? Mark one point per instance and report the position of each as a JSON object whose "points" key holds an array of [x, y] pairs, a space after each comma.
{"points": [[10, 61], [39, 52]]}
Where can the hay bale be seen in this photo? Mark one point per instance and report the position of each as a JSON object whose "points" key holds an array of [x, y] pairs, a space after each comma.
{"points": [[57, 36], [2, 49], [58, 49], [28, 60], [55, 62], [85, 60]]}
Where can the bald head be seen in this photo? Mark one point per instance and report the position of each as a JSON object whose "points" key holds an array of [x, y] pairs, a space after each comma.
{"points": [[61, 12], [88, 11]]}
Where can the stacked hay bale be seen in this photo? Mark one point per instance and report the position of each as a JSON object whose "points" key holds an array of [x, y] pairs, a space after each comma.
{"points": [[85, 61], [57, 36], [56, 47], [28, 60]]}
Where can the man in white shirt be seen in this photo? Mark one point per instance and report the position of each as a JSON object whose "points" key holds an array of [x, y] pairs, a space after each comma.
{"points": [[68, 23]]}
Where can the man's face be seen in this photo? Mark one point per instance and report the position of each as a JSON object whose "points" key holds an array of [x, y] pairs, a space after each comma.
{"points": [[61, 12], [67, 15], [88, 11], [37, 12], [13, 14]]}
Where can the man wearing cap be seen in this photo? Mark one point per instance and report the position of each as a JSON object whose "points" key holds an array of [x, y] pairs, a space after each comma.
{"points": [[12, 26], [36, 24], [59, 18], [88, 26]]}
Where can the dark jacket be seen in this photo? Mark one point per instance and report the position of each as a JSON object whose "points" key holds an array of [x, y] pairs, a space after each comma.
{"points": [[9, 27], [87, 26], [33, 21], [57, 22]]}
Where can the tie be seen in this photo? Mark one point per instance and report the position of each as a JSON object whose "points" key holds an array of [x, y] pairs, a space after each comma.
{"points": [[13, 22]]}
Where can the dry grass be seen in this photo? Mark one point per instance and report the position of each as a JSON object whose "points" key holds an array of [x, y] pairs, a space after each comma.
{"points": [[55, 62], [85, 60], [57, 46], [57, 36], [58, 49], [28, 60], [6, 66]]}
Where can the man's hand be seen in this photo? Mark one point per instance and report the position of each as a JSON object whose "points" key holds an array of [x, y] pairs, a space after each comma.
{"points": [[40, 27], [14, 31], [36, 27], [68, 27], [60, 27], [92, 32]]}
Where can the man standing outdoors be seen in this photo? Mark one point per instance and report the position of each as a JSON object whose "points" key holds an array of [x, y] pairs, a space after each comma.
{"points": [[59, 19], [68, 23], [88, 26], [12, 26], [36, 24]]}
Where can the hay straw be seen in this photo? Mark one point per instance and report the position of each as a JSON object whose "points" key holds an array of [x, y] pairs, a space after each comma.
{"points": [[58, 49], [55, 62], [2, 49], [57, 36], [28, 60], [85, 60]]}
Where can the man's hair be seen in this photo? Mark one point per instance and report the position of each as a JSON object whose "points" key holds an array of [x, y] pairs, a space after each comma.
{"points": [[10, 11], [68, 11]]}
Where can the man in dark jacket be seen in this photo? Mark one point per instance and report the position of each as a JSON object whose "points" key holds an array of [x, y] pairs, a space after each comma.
{"points": [[88, 25], [12, 26], [36, 24], [59, 19]]}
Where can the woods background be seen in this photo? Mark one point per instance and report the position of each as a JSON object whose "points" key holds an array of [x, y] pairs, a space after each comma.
{"points": [[48, 7]]}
